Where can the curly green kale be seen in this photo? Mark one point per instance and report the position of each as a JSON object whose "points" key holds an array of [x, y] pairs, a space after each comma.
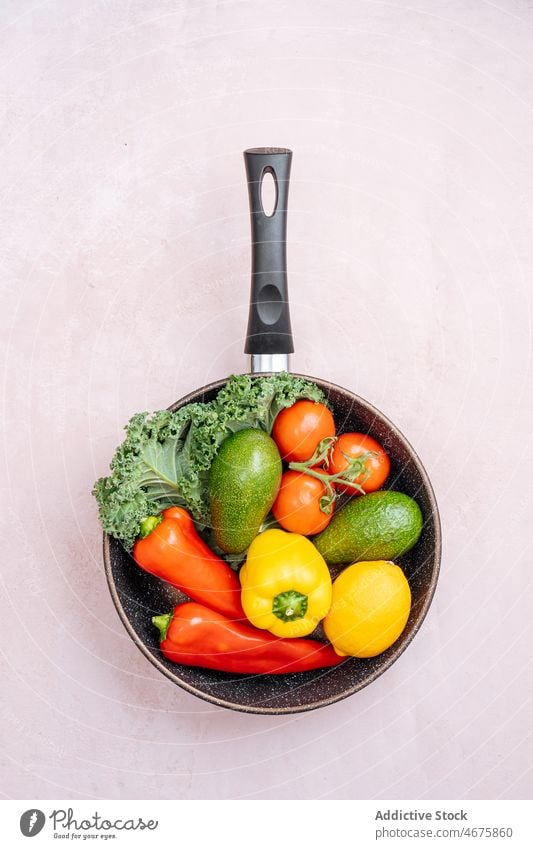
{"points": [[166, 456]]}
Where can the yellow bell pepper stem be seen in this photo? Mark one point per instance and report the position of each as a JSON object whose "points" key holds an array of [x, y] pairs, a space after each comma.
{"points": [[290, 605]]}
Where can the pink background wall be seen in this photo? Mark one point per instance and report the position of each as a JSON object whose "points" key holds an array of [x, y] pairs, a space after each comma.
{"points": [[125, 269]]}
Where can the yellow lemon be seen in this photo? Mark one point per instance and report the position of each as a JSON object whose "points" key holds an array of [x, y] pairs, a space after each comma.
{"points": [[369, 610]]}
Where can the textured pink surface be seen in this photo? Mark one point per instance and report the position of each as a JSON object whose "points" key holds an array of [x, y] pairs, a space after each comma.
{"points": [[125, 274]]}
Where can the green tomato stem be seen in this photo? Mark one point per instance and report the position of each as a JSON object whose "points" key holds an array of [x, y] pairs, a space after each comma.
{"points": [[356, 468]]}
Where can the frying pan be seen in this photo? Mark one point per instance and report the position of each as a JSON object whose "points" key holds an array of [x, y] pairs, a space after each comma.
{"points": [[138, 596]]}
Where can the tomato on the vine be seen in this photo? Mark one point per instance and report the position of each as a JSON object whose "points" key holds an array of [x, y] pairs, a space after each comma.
{"points": [[297, 505], [298, 429], [354, 445]]}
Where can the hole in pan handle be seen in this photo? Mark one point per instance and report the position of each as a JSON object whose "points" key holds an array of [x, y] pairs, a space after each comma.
{"points": [[269, 334]]}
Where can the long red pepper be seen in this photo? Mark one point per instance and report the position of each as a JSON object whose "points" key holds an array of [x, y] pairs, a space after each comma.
{"points": [[173, 550], [194, 635]]}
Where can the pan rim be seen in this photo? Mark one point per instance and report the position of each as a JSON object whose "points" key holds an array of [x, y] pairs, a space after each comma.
{"points": [[359, 685]]}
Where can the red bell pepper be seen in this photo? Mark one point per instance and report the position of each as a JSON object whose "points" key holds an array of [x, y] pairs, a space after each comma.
{"points": [[194, 635], [172, 550]]}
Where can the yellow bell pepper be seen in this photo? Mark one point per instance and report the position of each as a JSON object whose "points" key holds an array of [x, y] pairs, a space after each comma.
{"points": [[286, 584]]}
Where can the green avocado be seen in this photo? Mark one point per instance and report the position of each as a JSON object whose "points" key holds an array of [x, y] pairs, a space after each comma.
{"points": [[243, 483], [379, 526]]}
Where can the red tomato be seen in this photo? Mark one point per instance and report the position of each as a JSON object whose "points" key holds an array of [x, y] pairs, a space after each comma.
{"points": [[355, 444], [297, 505], [298, 430]]}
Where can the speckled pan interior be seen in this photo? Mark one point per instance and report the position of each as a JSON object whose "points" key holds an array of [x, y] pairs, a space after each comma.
{"points": [[139, 596]]}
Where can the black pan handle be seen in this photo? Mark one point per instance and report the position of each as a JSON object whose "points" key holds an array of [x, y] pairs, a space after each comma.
{"points": [[269, 321]]}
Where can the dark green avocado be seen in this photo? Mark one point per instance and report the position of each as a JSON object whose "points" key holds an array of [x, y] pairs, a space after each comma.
{"points": [[378, 526], [243, 483]]}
